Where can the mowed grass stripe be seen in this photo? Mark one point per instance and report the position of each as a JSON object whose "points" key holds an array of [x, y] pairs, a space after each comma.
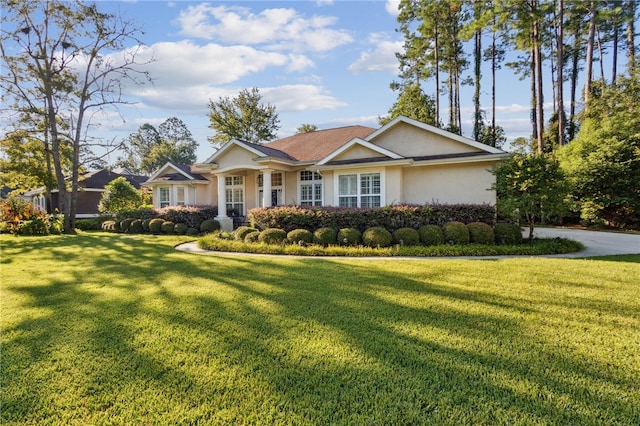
{"points": [[114, 329]]}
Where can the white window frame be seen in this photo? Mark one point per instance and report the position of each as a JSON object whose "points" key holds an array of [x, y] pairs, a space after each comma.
{"points": [[234, 193], [164, 203], [315, 185], [183, 201], [357, 195]]}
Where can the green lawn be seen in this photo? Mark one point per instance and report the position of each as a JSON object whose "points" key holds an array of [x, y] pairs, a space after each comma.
{"points": [[116, 329]]}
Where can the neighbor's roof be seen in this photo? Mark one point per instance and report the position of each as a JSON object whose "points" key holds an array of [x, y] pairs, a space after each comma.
{"points": [[314, 146]]}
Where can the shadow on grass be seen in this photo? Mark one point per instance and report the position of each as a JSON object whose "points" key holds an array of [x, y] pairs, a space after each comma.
{"points": [[292, 340]]}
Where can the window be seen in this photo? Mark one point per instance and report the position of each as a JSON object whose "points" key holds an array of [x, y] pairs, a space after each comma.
{"points": [[180, 196], [164, 197], [276, 189], [310, 188], [234, 194], [359, 190]]}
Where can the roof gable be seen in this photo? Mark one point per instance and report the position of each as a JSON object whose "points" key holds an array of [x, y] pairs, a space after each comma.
{"points": [[175, 172], [363, 148]]}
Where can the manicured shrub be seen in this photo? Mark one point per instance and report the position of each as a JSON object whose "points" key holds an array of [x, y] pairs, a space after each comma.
{"points": [[108, 225], [192, 232], [480, 233], [209, 225], [125, 224], [35, 226], [507, 233], [377, 236], [272, 236], [167, 227], [324, 236], [431, 235], [88, 224], [116, 226], [136, 227], [252, 237], [242, 232], [349, 237], [456, 233], [145, 225], [155, 225], [406, 237], [298, 235], [180, 228]]}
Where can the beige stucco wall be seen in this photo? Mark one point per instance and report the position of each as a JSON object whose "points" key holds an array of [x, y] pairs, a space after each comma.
{"points": [[356, 152], [235, 157], [448, 184], [410, 141]]}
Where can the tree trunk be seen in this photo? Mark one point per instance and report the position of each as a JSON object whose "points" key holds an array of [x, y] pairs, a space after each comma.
{"points": [[575, 63], [436, 60], [493, 85], [589, 58], [614, 54], [560, 71], [631, 14], [537, 60], [477, 114]]}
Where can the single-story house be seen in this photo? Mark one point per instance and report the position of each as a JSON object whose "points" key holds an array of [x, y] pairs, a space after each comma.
{"points": [[90, 188], [404, 161]]}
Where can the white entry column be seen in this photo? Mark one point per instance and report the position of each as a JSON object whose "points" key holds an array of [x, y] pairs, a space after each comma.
{"points": [[226, 223], [266, 188]]}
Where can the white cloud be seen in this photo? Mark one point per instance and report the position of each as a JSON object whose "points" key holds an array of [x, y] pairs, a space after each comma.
{"points": [[300, 97], [382, 57], [277, 29], [392, 7]]}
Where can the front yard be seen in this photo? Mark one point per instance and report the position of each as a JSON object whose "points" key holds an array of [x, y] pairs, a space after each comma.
{"points": [[121, 329]]}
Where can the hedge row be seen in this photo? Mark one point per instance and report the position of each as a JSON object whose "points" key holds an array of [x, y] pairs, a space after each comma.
{"points": [[388, 217], [158, 226], [452, 233]]}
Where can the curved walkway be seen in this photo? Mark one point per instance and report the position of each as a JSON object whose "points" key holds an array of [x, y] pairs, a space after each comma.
{"points": [[596, 244]]}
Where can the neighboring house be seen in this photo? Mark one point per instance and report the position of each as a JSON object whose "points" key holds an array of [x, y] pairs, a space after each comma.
{"points": [[176, 185], [404, 161], [90, 189]]}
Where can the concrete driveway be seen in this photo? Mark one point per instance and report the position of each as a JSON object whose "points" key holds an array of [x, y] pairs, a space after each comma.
{"points": [[596, 243]]}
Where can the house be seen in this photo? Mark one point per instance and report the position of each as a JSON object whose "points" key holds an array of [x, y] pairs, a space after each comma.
{"points": [[90, 189], [404, 161]]}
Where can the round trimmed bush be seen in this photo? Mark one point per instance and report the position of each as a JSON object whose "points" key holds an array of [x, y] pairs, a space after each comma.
{"points": [[349, 237], [507, 233], [180, 228], [406, 236], [272, 236], [324, 236], [456, 233], [480, 232], [145, 225], [136, 227], [125, 224], [431, 235], [209, 225], [167, 227], [192, 232], [252, 237], [298, 235], [155, 225], [377, 237], [242, 232]]}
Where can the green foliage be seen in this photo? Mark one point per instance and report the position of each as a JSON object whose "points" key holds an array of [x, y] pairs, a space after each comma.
{"points": [[119, 195], [298, 235], [155, 225], [167, 227], [180, 229], [349, 237], [272, 236], [480, 233], [89, 224], [14, 210], [532, 186], [377, 237], [456, 233], [192, 216], [324, 236], [242, 232], [406, 236], [252, 237], [431, 235], [37, 226], [125, 224], [192, 232], [603, 162], [243, 117], [145, 225], [412, 102], [136, 227], [507, 233], [389, 217], [210, 225]]}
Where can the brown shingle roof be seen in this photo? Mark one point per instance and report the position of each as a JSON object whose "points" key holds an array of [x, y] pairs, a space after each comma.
{"points": [[314, 146]]}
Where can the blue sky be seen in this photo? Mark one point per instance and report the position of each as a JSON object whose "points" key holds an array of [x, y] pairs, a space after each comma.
{"points": [[325, 62]]}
